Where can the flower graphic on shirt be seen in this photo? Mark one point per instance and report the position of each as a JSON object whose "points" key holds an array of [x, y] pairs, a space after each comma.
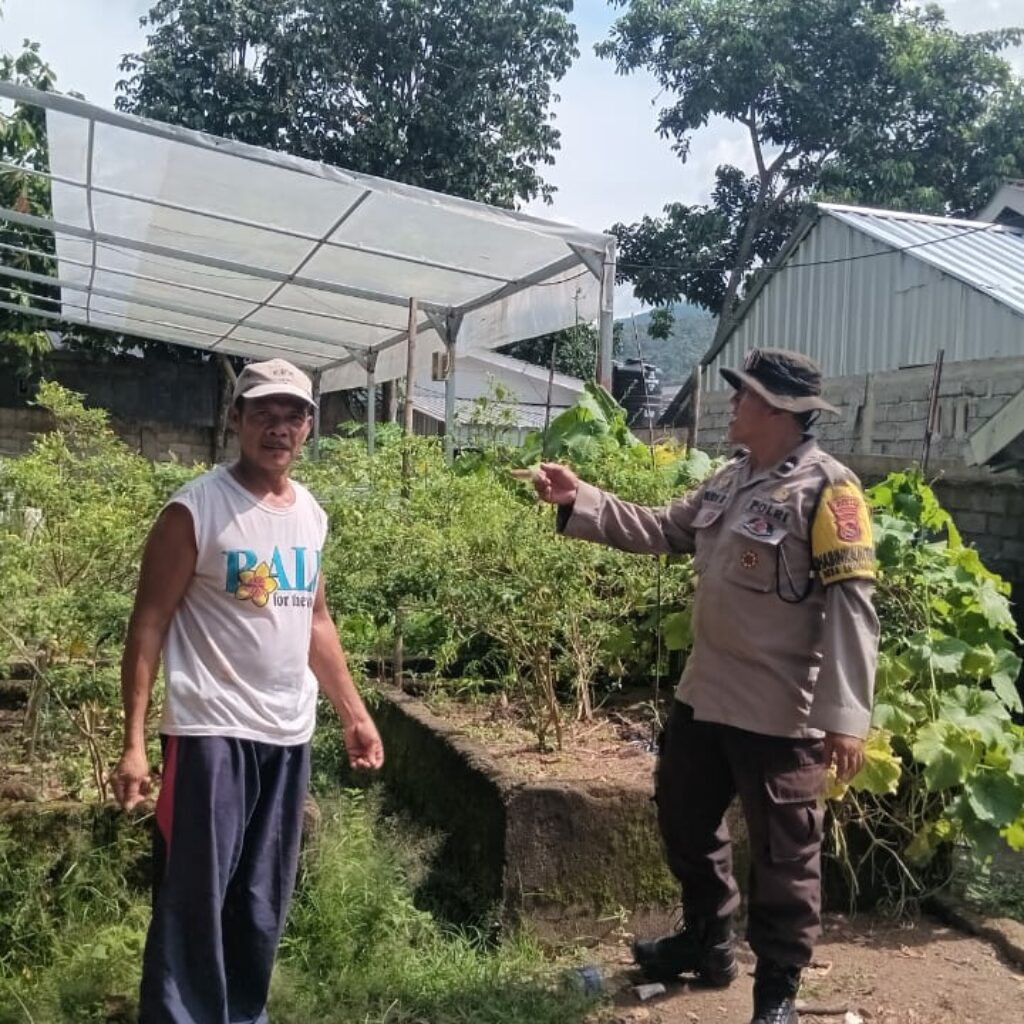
{"points": [[256, 585]]}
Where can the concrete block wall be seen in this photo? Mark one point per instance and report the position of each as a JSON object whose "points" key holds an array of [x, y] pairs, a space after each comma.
{"points": [[161, 442], [886, 413]]}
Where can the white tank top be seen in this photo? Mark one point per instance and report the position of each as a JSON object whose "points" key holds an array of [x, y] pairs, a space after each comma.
{"points": [[236, 656]]}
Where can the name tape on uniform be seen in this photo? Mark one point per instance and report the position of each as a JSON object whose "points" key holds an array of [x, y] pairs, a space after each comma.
{"points": [[841, 542]]}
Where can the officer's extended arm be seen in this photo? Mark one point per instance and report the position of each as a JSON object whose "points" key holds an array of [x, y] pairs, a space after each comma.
{"points": [[599, 516]]}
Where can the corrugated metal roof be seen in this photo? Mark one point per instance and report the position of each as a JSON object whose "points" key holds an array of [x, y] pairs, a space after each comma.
{"points": [[522, 368], [988, 257], [863, 290]]}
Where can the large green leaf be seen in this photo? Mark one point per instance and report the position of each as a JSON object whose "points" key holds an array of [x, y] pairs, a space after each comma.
{"points": [[1014, 835], [891, 672], [980, 711], [947, 655], [995, 607], [948, 755], [897, 717], [980, 662], [1004, 680], [676, 630], [995, 798]]}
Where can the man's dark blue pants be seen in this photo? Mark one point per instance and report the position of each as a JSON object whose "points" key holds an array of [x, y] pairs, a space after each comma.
{"points": [[226, 850]]}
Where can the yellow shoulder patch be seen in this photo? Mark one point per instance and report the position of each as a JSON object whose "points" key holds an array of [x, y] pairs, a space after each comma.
{"points": [[841, 544]]}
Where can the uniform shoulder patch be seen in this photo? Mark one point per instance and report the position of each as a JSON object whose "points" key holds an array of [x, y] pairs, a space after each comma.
{"points": [[841, 543]]}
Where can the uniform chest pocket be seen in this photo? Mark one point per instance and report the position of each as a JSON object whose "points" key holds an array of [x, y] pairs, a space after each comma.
{"points": [[705, 528], [752, 553]]}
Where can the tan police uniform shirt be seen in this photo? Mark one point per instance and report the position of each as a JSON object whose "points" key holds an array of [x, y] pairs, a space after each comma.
{"points": [[785, 633]]}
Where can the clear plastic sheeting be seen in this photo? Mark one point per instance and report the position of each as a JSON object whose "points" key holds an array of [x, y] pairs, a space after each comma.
{"points": [[167, 233]]}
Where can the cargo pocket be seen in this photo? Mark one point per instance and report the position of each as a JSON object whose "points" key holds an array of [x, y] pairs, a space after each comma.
{"points": [[795, 813]]}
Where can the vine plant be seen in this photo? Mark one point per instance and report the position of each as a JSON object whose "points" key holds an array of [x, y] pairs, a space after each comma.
{"points": [[945, 761]]}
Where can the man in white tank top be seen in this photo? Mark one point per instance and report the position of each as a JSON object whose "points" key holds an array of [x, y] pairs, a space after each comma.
{"points": [[231, 593]]}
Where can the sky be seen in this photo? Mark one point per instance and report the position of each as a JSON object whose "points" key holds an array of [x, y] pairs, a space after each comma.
{"points": [[612, 165]]}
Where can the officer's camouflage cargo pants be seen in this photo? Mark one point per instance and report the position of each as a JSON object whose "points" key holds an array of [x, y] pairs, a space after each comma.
{"points": [[780, 781]]}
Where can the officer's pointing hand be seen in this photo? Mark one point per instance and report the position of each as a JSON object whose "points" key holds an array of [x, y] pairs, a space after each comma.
{"points": [[846, 752], [556, 484]]}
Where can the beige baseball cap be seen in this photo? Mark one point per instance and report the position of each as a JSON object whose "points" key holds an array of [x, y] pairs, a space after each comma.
{"points": [[273, 377]]}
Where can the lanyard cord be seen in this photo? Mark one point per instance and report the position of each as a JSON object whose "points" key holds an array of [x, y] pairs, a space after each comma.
{"points": [[782, 562]]}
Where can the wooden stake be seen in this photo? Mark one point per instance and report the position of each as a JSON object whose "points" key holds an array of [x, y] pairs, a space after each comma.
{"points": [[933, 411], [691, 435], [410, 379], [410, 368]]}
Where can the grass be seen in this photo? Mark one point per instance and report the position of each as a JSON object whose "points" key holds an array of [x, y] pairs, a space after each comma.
{"points": [[358, 950], [72, 920], [995, 887]]}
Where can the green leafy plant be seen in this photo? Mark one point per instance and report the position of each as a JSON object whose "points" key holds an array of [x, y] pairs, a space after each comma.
{"points": [[946, 762], [78, 507]]}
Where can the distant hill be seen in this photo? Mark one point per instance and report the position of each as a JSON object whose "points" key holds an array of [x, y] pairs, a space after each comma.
{"points": [[692, 331]]}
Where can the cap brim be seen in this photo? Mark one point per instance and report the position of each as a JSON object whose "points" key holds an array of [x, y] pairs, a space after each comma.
{"points": [[266, 390], [790, 403]]}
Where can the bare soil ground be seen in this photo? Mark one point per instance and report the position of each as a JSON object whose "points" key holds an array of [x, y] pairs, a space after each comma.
{"points": [[867, 969], [617, 746]]}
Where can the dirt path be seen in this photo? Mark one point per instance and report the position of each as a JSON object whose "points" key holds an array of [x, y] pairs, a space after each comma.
{"points": [[878, 972]]}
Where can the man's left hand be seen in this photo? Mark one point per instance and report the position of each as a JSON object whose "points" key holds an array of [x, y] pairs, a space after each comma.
{"points": [[846, 752], [362, 741]]}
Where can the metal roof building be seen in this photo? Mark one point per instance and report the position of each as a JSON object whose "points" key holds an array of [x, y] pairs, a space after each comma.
{"points": [[864, 290], [520, 408]]}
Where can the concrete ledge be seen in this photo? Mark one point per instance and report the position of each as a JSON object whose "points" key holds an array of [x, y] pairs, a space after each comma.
{"points": [[1003, 933], [578, 860]]}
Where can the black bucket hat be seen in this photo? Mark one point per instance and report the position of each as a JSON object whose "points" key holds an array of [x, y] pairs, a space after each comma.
{"points": [[786, 380]]}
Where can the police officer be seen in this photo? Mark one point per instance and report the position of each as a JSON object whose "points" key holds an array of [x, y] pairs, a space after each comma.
{"points": [[778, 685]]}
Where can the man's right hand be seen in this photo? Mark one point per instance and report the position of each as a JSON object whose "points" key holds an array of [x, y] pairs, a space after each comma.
{"points": [[130, 781], [556, 484]]}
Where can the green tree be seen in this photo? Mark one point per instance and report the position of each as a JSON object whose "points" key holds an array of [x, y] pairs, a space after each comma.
{"points": [[23, 336], [575, 350], [23, 142], [878, 101], [451, 96]]}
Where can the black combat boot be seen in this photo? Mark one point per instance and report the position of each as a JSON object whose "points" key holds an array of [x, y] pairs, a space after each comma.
{"points": [[703, 948], [775, 989]]}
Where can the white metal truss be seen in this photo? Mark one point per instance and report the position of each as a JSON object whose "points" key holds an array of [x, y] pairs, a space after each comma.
{"points": [[167, 233]]}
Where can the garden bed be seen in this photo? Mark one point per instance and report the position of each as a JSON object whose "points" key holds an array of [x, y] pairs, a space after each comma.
{"points": [[567, 839]]}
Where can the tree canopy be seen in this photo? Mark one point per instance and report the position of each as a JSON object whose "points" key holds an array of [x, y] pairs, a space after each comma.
{"points": [[873, 101], [23, 142], [450, 96]]}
